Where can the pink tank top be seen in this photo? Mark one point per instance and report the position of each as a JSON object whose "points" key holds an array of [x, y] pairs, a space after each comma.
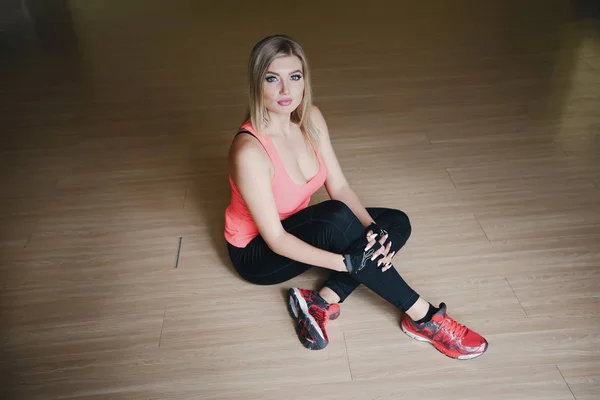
{"points": [[289, 196]]}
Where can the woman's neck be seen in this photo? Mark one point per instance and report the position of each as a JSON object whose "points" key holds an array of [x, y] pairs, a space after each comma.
{"points": [[279, 125]]}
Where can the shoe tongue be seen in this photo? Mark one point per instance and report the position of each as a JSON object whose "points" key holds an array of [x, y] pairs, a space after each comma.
{"points": [[437, 317], [442, 309], [441, 314]]}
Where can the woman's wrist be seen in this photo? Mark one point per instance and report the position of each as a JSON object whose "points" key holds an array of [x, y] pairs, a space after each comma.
{"points": [[339, 264]]}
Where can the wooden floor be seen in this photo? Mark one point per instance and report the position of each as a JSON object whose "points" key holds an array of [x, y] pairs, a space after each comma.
{"points": [[480, 121]]}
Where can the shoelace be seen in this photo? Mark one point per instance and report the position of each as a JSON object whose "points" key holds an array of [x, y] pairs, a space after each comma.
{"points": [[453, 327]]}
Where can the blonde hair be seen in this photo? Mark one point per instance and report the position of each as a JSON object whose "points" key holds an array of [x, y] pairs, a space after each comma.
{"points": [[263, 54]]}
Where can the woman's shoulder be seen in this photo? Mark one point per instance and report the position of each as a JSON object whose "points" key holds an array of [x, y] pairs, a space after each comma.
{"points": [[246, 149], [318, 121], [316, 115]]}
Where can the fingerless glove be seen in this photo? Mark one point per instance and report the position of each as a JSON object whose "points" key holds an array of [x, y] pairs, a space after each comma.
{"points": [[357, 258], [377, 229]]}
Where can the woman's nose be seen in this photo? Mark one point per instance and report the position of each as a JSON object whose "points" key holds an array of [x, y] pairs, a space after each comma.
{"points": [[284, 88]]}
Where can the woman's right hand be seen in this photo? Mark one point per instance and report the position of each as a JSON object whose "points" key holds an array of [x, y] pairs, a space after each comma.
{"points": [[367, 253]]}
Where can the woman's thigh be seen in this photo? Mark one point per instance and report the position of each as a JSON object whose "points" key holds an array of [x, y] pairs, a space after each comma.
{"points": [[329, 225]]}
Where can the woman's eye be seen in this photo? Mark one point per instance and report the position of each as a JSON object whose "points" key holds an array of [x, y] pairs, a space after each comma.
{"points": [[271, 79], [296, 77]]}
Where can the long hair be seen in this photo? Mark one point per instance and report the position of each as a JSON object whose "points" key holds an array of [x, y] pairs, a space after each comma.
{"points": [[263, 54]]}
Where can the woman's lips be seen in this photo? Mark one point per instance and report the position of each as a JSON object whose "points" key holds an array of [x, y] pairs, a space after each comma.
{"points": [[284, 102]]}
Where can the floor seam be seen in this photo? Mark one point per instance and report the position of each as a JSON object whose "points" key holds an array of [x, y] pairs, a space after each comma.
{"points": [[162, 327], [483, 230], [348, 357], [566, 383], [517, 297]]}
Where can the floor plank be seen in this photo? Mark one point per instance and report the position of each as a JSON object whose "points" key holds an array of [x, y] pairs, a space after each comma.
{"points": [[583, 379], [479, 121], [526, 341]]}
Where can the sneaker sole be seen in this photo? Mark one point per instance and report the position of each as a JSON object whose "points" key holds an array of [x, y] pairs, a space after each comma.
{"points": [[299, 310], [441, 350]]}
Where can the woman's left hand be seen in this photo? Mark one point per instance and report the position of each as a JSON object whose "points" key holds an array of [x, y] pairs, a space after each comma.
{"points": [[387, 261], [372, 233]]}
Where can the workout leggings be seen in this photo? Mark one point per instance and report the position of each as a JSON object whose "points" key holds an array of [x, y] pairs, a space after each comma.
{"points": [[330, 226]]}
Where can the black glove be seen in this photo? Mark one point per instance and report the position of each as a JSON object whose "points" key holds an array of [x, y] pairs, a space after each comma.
{"points": [[357, 258], [378, 230]]}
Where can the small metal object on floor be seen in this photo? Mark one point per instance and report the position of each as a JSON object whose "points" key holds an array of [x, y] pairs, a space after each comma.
{"points": [[177, 253]]}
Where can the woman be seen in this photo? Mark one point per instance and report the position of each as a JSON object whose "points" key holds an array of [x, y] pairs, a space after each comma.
{"points": [[279, 158]]}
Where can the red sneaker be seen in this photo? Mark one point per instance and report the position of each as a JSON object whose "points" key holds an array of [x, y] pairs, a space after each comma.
{"points": [[311, 313], [446, 335]]}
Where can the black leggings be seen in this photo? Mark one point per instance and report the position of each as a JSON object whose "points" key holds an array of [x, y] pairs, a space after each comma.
{"points": [[330, 226]]}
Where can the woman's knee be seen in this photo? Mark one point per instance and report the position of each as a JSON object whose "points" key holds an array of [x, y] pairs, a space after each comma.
{"points": [[400, 223], [343, 225], [334, 211]]}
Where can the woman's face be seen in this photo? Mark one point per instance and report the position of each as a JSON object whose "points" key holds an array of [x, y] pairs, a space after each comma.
{"points": [[284, 85]]}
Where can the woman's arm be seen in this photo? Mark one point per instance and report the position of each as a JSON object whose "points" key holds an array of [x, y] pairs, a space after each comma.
{"points": [[250, 171], [336, 185], [338, 188]]}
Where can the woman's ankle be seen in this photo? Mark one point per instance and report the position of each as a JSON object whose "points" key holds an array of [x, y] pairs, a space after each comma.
{"points": [[329, 295], [418, 310]]}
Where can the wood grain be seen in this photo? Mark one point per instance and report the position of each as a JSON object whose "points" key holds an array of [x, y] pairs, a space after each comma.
{"points": [[479, 120]]}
